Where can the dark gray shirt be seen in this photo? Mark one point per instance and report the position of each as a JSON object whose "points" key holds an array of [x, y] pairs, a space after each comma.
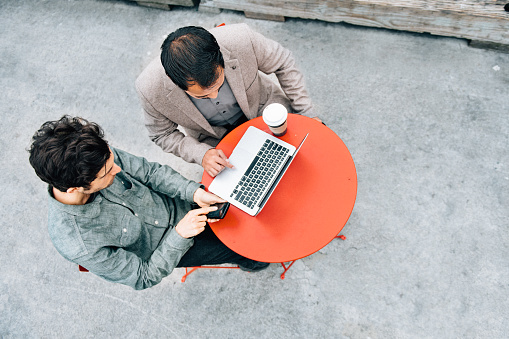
{"points": [[221, 111]]}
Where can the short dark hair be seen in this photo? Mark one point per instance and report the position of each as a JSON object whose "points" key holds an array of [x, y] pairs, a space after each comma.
{"points": [[68, 152], [191, 54]]}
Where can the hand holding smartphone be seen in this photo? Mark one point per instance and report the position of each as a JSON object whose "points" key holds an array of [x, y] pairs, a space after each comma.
{"points": [[220, 213]]}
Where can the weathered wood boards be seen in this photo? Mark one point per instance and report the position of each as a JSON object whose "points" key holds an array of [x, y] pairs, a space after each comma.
{"points": [[484, 21], [166, 4]]}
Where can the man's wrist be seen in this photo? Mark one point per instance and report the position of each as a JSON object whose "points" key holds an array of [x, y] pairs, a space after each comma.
{"points": [[177, 240], [205, 153], [196, 195], [191, 190], [178, 232]]}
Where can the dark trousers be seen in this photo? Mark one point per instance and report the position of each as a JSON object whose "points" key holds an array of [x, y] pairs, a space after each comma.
{"points": [[209, 250]]}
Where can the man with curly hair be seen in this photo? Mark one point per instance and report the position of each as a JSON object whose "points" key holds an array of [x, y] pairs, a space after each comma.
{"points": [[123, 218]]}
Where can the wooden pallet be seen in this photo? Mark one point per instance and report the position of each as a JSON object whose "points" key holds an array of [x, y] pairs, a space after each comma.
{"points": [[166, 4], [486, 23]]}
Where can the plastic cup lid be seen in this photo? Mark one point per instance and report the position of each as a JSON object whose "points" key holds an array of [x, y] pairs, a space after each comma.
{"points": [[274, 114]]}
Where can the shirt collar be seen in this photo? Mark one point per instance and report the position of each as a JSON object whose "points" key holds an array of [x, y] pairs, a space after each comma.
{"points": [[90, 210]]}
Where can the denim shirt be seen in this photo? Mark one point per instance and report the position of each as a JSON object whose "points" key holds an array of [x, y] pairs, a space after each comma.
{"points": [[126, 234]]}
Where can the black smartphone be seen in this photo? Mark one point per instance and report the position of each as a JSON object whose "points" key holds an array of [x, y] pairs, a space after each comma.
{"points": [[222, 208]]}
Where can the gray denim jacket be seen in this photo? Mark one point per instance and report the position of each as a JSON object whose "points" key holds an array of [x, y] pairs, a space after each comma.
{"points": [[126, 234]]}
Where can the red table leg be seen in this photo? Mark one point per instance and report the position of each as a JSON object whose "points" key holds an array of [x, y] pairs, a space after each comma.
{"points": [[342, 237], [190, 270], [184, 277], [286, 268]]}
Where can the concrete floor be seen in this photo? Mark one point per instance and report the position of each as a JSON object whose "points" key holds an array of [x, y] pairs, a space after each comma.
{"points": [[426, 121]]}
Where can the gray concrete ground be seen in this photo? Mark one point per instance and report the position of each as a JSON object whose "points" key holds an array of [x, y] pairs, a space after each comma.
{"points": [[425, 118]]}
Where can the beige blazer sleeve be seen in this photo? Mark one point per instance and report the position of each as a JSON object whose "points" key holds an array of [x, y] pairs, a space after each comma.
{"points": [[272, 57], [165, 107]]}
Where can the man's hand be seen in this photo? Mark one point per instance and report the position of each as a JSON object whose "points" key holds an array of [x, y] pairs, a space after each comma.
{"points": [[204, 198], [194, 222], [214, 161]]}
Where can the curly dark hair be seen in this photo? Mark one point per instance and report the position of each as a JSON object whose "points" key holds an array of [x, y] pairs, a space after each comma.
{"points": [[68, 152], [191, 54]]}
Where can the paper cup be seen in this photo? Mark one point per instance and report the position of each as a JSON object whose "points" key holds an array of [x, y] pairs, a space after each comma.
{"points": [[275, 116]]}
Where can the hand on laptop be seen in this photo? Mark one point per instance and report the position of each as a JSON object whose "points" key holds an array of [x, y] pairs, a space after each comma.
{"points": [[214, 161]]}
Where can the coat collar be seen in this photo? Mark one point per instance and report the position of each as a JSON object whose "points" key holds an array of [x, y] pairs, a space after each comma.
{"points": [[233, 74]]}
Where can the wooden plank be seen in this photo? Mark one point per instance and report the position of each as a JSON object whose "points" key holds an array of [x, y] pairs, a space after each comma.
{"points": [[262, 16], [154, 5], [208, 6], [475, 20], [166, 3], [489, 45]]}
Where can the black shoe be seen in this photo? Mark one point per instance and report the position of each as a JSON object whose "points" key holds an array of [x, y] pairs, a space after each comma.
{"points": [[255, 266]]}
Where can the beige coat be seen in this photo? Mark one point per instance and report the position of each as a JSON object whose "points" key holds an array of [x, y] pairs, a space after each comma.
{"points": [[248, 57]]}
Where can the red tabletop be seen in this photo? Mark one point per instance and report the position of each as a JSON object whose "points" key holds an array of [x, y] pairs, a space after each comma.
{"points": [[309, 207]]}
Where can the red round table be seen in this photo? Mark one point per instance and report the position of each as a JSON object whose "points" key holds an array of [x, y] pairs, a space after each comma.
{"points": [[309, 207]]}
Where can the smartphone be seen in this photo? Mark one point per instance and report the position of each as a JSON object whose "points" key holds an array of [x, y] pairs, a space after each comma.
{"points": [[222, 208]]}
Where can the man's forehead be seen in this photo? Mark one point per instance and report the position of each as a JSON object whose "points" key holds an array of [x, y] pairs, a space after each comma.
{"points": [[196, 90]]}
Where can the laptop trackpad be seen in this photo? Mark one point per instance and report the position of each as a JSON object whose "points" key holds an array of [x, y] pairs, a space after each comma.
{"points": [[225, 182]]}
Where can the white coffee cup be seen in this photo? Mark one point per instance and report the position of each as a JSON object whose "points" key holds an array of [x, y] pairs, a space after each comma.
{"points": [[275, 116]]}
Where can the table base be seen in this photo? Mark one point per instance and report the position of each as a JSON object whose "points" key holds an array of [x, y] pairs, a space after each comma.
{"points": [[286, 268], [190, 270]]}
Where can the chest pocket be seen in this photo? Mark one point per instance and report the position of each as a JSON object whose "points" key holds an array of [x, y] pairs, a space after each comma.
{"points": [[130, 231], [140, 237]]}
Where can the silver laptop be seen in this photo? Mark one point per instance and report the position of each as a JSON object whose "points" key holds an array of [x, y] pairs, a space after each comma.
{"points": [[260, 160]]}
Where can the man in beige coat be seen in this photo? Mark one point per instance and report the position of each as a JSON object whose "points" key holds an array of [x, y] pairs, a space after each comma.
{"points": [[209, 82]]}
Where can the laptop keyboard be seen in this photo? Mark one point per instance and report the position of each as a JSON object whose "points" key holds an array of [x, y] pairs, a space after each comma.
{"points": [[260, 174]]}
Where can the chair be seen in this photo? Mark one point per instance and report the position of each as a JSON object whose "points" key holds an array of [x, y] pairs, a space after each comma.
{"points": [[190, 270], [286, 266]]}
